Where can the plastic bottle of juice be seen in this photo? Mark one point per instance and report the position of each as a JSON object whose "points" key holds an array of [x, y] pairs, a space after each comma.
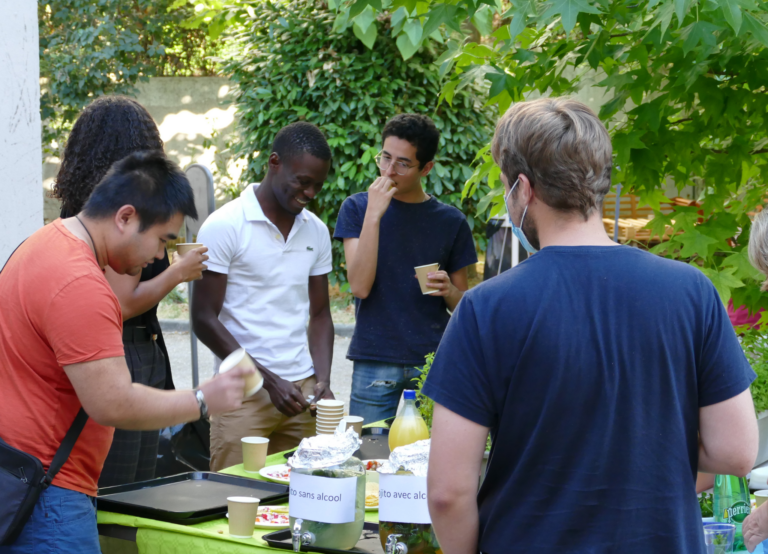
{"points": [[408, 426], [732, 504]]}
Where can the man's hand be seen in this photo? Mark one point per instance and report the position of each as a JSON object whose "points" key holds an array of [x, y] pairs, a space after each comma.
{"points": [[380, 194], [224, 392], [755, 527], [285, 395], [440, 281], [321, 390], [191, 265]]}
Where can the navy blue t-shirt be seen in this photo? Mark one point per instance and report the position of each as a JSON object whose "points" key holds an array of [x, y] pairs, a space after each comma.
{"points": [[589, 365], [396, 323]]}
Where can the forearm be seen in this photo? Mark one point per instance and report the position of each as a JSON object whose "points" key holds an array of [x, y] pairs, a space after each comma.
{"points": [[453, 298], [145, 408], [214, 335], [320, 335], [361, 270], [149, 293], [456, 523]]}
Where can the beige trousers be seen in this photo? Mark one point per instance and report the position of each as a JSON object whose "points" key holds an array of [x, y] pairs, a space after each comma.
{"points": [[258, 417]]}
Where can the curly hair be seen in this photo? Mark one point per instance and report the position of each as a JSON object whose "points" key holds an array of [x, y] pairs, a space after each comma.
{"points": [[108, 130], [417, 129]]}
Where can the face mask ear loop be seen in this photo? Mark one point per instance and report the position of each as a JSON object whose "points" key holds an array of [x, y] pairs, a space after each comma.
{"points": [[503, 243]]}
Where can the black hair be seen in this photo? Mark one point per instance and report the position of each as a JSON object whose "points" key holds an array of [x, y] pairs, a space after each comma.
{"points": [[300, 137], [417, 129], [108, 129], [149, 182]]}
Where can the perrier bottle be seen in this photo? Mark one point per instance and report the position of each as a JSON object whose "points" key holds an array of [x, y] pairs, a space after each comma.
{"points": [[732, 505]]}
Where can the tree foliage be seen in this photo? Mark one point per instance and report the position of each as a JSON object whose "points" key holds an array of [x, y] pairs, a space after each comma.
{"points": [[289, 63], [90, 48], [687, 104]]}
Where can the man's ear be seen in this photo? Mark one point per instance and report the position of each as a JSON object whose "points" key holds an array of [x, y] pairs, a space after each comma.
{"points": [[125, 216], [274, 162], [427, 168], [526, 189]]}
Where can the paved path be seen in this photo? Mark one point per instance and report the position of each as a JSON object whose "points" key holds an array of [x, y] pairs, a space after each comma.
{"points": [[181, 363]]}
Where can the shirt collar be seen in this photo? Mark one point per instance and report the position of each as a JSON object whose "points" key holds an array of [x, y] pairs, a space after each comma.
{"points": [[252, 208]]}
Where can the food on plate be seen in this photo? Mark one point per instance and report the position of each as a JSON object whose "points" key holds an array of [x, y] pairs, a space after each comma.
{"points": [[279, 472], [273, 516], [373, 465], [371, 495]]}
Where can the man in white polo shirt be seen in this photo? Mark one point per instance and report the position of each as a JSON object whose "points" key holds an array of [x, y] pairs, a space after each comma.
{"points": [[268, 266]]}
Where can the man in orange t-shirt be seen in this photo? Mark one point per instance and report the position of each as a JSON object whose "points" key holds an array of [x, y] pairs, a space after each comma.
{"points": [[61, 344]]}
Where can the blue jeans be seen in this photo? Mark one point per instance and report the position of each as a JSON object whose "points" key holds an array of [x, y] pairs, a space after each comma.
{"points": [[63, 522], [377, 388]]}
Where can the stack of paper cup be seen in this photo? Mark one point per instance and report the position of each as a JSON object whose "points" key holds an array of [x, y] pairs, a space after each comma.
{"points": [[329, 414]]}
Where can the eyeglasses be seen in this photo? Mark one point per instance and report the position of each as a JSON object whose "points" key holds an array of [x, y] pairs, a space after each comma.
{"points": [[401, 168]]}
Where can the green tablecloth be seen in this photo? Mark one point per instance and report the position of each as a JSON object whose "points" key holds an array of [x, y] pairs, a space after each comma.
{"points": [[210, 537]]}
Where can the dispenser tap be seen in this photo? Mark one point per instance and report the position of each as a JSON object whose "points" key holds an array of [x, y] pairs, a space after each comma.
{"points": [[394, 547], [300, 539]]}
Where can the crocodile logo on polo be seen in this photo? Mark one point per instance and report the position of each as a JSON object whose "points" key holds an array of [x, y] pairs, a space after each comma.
{"points": [[738, 512], [310, 249]]}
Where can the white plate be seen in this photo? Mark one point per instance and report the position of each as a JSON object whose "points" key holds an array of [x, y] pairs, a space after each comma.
{"points": [[265, 472], [371, 508]]}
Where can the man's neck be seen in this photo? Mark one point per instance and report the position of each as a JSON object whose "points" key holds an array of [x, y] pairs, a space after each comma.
{"points": [[271, 207], [80, 226], [414, 196], [555, 230]]}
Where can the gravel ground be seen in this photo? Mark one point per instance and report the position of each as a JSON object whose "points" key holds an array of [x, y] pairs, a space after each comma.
{"points": [[179, 349]]}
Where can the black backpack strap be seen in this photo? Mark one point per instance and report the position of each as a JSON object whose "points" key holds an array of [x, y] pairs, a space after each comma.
{"points": [[60, 458]]}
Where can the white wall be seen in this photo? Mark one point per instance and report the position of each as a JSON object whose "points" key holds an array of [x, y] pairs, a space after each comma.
{"points": [[21, 178]]}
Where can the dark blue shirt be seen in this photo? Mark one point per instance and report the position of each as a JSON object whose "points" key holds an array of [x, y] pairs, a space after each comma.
{"points": [[589, 365], [396, 323]]}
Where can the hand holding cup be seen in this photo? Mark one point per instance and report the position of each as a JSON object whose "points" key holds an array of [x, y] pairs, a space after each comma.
{"points": [[189, 258]]}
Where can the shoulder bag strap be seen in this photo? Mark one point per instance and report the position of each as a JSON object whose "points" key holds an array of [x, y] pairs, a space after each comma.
{"points": [[66, 446], [60, 458]]}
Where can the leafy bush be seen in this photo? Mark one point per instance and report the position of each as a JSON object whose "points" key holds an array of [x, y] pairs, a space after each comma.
{"points": [[426, 404], [89, 48], [288, 64]]}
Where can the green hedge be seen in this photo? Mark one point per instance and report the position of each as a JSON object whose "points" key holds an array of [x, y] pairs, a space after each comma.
{"points": [[288, 63]]}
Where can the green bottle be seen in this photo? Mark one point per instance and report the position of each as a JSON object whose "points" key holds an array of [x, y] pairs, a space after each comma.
{"points": [[732, 505]]}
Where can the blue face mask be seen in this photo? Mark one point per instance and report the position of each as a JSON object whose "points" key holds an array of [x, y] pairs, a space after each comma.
{"points": [[518, 231]]}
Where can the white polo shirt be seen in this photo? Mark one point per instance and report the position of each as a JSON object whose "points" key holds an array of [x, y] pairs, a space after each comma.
{"points": [[266, 306]]}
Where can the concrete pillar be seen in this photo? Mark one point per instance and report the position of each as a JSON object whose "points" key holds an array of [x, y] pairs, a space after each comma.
{"points": [[21, 177]]}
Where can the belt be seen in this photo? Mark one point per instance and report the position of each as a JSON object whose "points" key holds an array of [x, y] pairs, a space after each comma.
{"points": [[137, 334]]}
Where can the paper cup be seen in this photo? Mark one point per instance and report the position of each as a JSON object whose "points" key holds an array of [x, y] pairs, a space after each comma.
{"points": [[184, 247], [254, 453], [760, 497], [356, 422], [239, 358], [329, 420], [328, 403], [421, 273], [242, 516]]}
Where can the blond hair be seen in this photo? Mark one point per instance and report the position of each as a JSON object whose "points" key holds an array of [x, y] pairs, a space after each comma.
{"points": [[563, 149], [758, 245]]}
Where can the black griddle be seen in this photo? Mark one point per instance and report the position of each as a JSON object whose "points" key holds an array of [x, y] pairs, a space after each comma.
{"points": [[369, 543], [186, 498]]}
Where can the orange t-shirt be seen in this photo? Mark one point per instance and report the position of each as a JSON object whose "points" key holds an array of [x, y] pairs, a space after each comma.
{"points": [[56, 309]]}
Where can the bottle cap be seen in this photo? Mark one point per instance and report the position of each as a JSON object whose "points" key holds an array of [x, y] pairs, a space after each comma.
{"points": [[410, 395]]}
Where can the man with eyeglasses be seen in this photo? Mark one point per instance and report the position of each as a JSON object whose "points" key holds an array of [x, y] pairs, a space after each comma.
{"points": [[387, 232]]}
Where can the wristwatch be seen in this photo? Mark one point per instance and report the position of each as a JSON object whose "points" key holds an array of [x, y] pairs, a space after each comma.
{"points": [[201, 403]]}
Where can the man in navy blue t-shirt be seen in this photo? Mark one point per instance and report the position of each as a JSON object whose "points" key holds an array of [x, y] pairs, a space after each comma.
{"points": [[387, 232], [606, 375]]}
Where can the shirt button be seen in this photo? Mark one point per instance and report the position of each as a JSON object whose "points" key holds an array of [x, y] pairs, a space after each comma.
{"points": [[277, 237]]}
